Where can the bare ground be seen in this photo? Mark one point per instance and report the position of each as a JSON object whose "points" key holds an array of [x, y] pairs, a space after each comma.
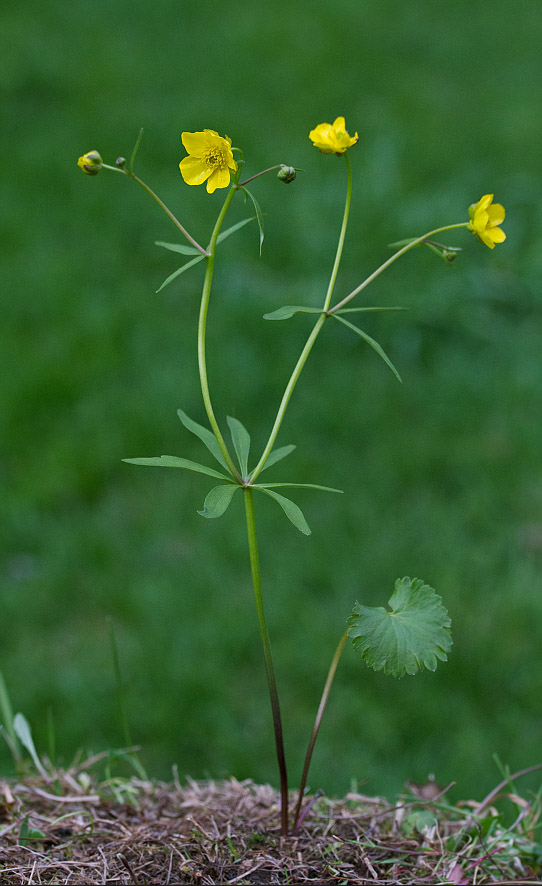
{"points": [[68, 827]]}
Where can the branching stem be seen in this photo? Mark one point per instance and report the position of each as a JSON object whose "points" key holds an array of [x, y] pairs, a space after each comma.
{"points": [[390, 261], [294, 378]]}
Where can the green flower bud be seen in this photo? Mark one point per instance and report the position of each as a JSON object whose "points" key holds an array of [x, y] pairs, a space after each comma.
{"points": [[120, 161], [90, 163], [286, 174]]}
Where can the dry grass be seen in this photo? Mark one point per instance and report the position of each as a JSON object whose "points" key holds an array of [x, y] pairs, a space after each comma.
{"points": [[72, 828]]}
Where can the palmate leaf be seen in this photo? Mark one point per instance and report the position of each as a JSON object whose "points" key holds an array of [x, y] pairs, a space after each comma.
{"points": [[218, 500], [288, 311], [413, 635], [225, 234], [178, 247], [191, 250], [135, 150], [446, 253], [278, 454], [259, 214], [370, 309], [179, 271], [298, 486], [370, 341], [205, 435], [241, 442], [171, 461], [292, 511]]}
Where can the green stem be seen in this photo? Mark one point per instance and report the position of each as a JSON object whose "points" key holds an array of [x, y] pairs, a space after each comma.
{"points": [[202, 325], [390, 261], [314, 334], [269, 669], [258, 174], [287, 394], [316, 727], [162, 205], [342, 235]]}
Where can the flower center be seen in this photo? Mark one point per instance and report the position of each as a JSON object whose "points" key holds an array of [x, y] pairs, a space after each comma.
{"points": [[215, 157]]}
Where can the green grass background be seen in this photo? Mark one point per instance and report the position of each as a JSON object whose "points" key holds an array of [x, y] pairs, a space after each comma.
{"points": [[442, 474]]}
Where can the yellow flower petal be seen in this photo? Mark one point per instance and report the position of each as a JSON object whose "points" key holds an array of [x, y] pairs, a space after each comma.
{"points": [[481, 220], [194, 143], [484, 201], [220, 178], [496, 214], [194, 171], [497, 235]]}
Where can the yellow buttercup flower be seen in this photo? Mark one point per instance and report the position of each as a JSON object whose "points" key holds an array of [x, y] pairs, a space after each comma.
{"points": [[332, 139], [485, 218], [210, 159], [91, 163]]}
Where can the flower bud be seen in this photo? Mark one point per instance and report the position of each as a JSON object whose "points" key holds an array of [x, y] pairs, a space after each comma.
{"points": [[90, 163], [286, 174], [120, 161]]}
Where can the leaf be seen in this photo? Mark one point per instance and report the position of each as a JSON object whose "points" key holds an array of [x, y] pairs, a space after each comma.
{"points": [[370, 341], [27, 833], [179, 271], [134, 152], [178, 247], [22, 729], [298, 486], [447, 253], [412, 636], [190, 250], [225, 234], [360, 310], [294, 514], [278, 454], [171, 461], [288, 311], [400, 243], [241, 442], [218, 500], [259, 214], [205, 435]]}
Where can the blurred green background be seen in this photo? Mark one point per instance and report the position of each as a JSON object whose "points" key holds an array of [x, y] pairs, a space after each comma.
{"points": [[442, 473]]}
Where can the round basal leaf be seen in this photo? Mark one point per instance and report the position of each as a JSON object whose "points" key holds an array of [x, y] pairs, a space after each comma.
{"points": [[414, 635]]}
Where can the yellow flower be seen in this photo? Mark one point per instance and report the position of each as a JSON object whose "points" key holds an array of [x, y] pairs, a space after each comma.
{"points": [[485, 218], [332, 139], [210, 159], [91, 163]]}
